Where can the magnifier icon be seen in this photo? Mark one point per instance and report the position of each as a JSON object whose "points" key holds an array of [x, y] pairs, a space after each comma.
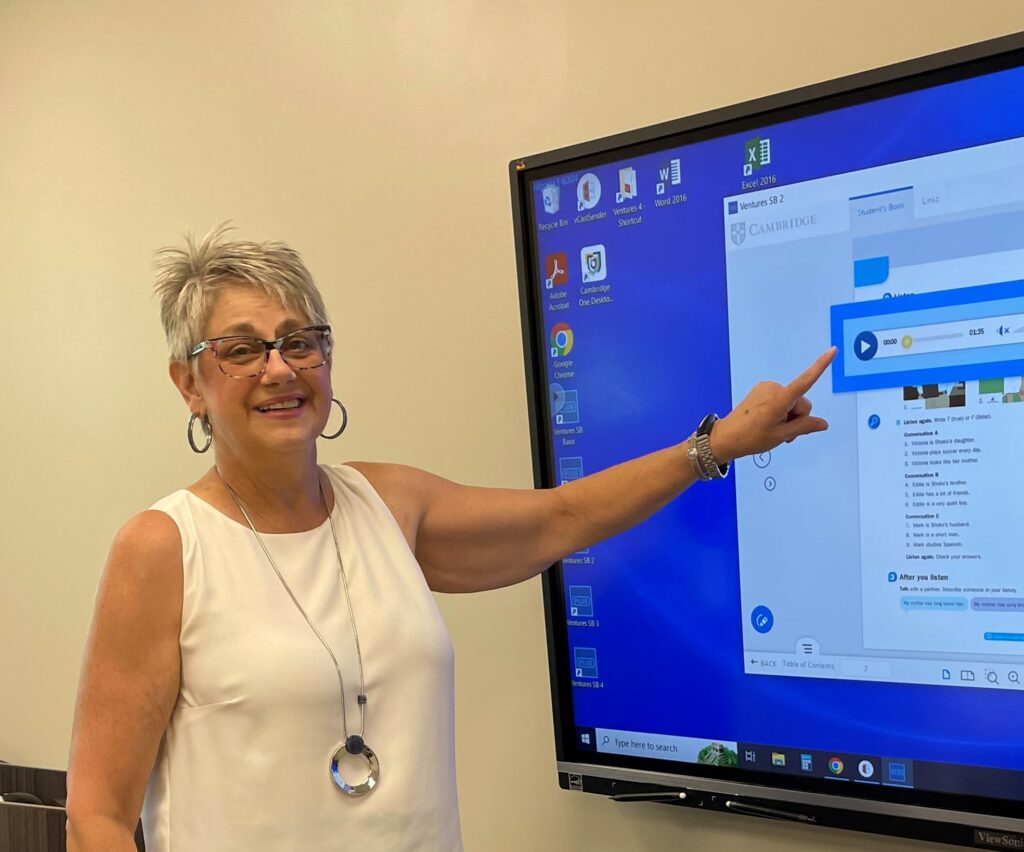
{"points": [[1013, 677], [992, 677], [605, 741]]}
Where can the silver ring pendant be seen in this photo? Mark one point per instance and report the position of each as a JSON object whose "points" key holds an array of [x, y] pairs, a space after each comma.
{"points": [[371, 777]]}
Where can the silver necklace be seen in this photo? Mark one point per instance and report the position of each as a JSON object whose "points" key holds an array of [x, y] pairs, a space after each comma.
{"points": [[353, 743]]}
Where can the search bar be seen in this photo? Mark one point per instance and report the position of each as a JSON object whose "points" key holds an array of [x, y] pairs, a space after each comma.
{"points": [[663, 747]]}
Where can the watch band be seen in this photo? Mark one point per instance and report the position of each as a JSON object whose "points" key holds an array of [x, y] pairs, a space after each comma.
{"points": [[707, 459], [693, 454], [698, 450]]}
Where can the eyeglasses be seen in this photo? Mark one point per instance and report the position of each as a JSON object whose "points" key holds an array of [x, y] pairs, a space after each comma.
{"points": [[246, 357]]}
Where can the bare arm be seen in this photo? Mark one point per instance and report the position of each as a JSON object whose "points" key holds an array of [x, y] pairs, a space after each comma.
{"points": [[469, 539], [128, 687]]}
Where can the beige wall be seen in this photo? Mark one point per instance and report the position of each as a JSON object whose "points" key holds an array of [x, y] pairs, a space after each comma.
{"points": [[374, 137]]}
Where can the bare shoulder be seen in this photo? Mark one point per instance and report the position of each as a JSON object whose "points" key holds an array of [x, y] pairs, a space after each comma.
{"points": [[151, 540], [405, 490], [144, 566]]}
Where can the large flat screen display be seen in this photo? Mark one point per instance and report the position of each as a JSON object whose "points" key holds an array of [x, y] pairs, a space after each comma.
{"points": [[836, 631]]}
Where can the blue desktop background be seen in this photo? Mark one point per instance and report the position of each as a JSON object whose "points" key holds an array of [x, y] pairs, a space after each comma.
{"points": [[649, 365]]}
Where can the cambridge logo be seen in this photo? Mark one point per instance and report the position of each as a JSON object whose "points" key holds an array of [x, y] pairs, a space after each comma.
{"points": [[738, 232]]}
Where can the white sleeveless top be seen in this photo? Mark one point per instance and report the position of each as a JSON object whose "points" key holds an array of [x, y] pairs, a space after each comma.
{"points": [[244, 763]]}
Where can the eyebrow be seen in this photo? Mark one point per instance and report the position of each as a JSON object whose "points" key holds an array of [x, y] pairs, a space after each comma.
{"points": [[247, 328]]}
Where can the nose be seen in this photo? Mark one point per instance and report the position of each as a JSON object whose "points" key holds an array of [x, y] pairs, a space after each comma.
{"points": [[277, 368]]}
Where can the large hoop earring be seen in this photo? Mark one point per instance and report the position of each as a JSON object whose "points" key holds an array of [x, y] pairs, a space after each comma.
{"points": [[344, 421], [204, 421]]}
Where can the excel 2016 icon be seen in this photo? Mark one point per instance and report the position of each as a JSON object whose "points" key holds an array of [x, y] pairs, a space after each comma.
{"points": [[757, 153]]}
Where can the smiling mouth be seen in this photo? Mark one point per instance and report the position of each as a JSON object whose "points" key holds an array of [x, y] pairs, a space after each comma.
{"points": [[290, 405]]}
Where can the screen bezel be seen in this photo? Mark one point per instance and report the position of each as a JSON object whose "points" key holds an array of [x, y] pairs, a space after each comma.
{"points": [[913, 75]]}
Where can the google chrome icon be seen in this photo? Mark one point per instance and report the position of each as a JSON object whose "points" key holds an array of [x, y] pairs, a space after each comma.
{"points": [[561, 340], [835, 766]]}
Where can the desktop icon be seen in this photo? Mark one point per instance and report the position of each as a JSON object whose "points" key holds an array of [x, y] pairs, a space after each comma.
{"points": [[581, 601], [670, 173], [556, 269], [778, 758], [757, 153], [835, 766], [570, 468], [561, 340], [806, 763], [569, 411], [627, 185], [593, 263], [585, 662], [549, 195], [588, 192]]}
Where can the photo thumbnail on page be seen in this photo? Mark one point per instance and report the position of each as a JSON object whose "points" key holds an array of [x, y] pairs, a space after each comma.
{"points": [[915, 270]]}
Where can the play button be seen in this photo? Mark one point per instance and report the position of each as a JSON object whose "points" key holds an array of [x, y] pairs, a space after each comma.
{"points": [[557, 398], [865, 346]]}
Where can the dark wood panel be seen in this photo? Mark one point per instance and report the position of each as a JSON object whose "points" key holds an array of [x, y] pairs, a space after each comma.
{"points": [[31, 828], [37, 829], [50, 785]]}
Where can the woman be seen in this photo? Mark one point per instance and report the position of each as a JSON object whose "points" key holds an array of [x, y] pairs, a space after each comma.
{"points": [[267, 668]]}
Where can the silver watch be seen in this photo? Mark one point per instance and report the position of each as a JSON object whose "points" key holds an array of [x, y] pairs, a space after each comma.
{"points": [[698, 450]]}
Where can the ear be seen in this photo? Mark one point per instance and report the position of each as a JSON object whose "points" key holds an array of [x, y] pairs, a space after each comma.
{"points": [[185, 381]]}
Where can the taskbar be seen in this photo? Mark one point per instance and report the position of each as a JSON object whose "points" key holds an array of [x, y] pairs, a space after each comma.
{"points": [[874, 770], [832, 766], [839, 767]]}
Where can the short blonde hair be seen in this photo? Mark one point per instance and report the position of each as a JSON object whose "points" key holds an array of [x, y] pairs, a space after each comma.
{"points": [[189, 279]]}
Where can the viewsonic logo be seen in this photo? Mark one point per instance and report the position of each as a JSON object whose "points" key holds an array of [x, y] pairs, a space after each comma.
{"points": [[998, 839]]}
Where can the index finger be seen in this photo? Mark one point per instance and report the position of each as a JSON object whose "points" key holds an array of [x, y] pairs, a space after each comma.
{"points": [[805, 381]]}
